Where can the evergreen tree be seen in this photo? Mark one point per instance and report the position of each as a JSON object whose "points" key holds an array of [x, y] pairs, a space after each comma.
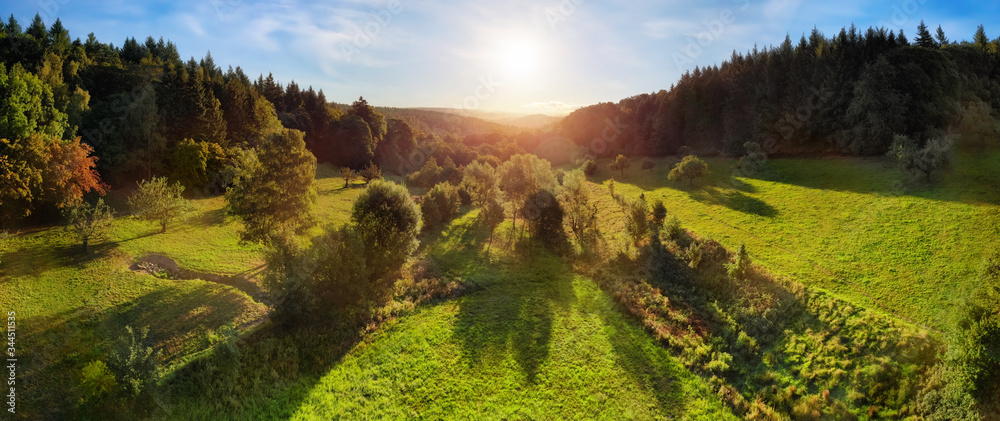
{"points": [[924, 38]]}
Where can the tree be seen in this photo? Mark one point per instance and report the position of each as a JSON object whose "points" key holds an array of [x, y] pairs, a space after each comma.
{"points": [[388, 221], [521, 176], [940, 37], [480, 181], [340, 277], [88, 222], [740, 268], [980, 40], [581, 213], [134, 363], [876, 111], [158, 201], [754, 160], [544, 216], [621, 163], [374, 119], [922, 162], [193, 162], [648, 165], [589, 167], [347, 174], [636, 218], [27, 106], [924, 38], [491, 216], [439, 205], [691, 167], [272, 190], [659, 213], [428, 175], [370, 172]]}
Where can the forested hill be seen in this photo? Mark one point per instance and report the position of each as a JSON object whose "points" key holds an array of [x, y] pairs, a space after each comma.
{"points": [[850, 93], [78, 116]]}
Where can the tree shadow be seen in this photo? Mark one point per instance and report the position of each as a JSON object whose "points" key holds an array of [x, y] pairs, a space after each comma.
{"points": [[208, 218], [57, 347], [735, 200], [34, 261], [513, 318]]}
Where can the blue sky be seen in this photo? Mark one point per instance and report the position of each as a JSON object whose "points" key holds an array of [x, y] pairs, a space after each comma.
{"points": [[544, 56]]}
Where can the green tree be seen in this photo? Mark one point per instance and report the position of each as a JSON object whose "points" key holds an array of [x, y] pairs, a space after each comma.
{"points": [[428, 175], [348, 175], [27, 106], [375, 120], [621, 163], [924, 38], [980, 40], [876, 112], [544, 216], [520, 177], [589, 167], [922, 162], [579, 210], [480, 181], [134, 363], [691, 167], [389, 222], [659, 213], [370, 172], [636, 219], [272, 190], [193, 162], [440, 205], [492, 216], [740, 268], [88, 222], [158, 201], [754, 160]]}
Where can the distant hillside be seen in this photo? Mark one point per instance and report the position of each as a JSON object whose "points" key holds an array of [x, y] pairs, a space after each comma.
{"points": [[440, 123], [530, 121]]}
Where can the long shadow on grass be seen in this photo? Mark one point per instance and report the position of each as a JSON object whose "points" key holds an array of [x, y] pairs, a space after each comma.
{"points": [[57, 347], [512, 317], [733, 199]]}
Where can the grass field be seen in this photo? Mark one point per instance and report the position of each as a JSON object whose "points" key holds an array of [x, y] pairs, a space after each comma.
{"points": [[843, 224], [529, 339], [533, 342]]}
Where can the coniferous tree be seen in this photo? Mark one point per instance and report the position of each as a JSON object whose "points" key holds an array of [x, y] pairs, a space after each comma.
{"points": [[924, 38]]}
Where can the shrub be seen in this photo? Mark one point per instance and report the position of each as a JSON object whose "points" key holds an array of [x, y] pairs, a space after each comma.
{"points": [[685, 151], [342, 280], [440, 205], [674, 229], [96, 380], [159, 202], [740, 268], [134, 363], [589, 167], [648, 165], [388, 221]]}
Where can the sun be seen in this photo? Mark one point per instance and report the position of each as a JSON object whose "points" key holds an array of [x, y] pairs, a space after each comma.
{"points": [[519, 58]]}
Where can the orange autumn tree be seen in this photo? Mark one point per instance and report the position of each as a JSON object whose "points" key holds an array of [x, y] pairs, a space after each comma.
{"points": [[71, 174], [38, 170]]}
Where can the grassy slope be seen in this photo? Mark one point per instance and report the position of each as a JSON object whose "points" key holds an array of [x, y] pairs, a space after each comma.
{"points": [[69, 306], [533, 342], [841, 225]]}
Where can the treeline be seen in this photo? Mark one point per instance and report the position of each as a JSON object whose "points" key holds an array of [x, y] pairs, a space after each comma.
{"points": [[850, 93], [80, 115]]}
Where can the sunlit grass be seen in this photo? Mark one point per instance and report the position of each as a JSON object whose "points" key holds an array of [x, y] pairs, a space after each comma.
{"points": [[844, 225]]}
